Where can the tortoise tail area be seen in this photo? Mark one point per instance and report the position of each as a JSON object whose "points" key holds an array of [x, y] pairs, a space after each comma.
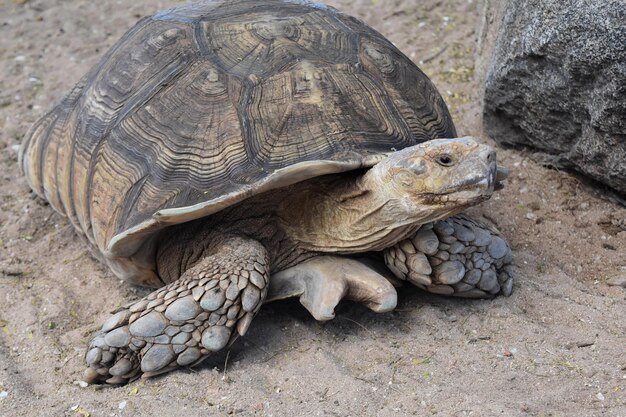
{"points": [[45, 154]]}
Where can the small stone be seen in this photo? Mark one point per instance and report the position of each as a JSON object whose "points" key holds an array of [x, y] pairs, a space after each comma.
{"points": [[151, 324], [188, 357], [257, 279], [122, 367], [119, 337], [450, 272], [426, 241], [618, 281], [479, 263], [183, 309], [472, 277], [157, 357], [418, 263], [181, 338], [250, 298], [463, 233], [81, 384], [497, 248], [215, 338], [488, 280], [213, 299]]}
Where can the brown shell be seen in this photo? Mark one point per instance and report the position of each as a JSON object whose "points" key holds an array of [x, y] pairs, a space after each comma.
{"points": [[201, 106]]}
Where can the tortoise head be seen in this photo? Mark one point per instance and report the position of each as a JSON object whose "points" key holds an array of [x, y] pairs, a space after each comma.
{"points": [[434, 179]]}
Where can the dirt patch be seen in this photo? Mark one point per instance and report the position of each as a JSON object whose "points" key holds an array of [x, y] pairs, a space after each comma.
{"points": [[556, 347]]}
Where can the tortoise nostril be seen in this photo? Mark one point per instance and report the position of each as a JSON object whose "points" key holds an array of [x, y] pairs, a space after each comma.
{"points": [[491, 157]]}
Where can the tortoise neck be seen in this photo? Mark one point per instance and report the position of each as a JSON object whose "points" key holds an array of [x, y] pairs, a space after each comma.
{"points": [[342, 214]]}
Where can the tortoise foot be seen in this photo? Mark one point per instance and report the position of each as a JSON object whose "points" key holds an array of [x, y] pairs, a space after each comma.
{"points": [[457, 256], [322, 282], [182, 323]]}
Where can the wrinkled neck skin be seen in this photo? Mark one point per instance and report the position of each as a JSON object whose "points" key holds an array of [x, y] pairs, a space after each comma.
{"points": [[346, 215]]}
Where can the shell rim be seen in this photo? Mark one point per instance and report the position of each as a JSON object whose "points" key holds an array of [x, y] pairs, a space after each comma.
{"points": [[128, 242]]}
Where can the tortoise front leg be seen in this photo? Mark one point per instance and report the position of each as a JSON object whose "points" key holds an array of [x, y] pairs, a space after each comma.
{"points": [[457, 256], [202, 312]]}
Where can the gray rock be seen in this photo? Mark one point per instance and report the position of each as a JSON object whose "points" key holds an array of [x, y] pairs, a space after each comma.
{"points": [[119, 337], [157, 357], [183, 309], [215, 338], [152, 324], [557, 84]]}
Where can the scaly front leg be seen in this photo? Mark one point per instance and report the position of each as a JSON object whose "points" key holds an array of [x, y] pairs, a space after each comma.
{"points": [[457, 256], [180, 324]]}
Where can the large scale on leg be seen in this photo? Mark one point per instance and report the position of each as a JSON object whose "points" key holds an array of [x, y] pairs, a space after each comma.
{"points": [[222, 144]]}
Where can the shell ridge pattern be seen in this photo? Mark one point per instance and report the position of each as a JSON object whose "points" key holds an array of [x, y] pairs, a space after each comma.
{"points": [[139, 98], [69, 203]]}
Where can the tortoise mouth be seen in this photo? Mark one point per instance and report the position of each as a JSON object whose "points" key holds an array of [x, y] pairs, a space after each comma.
{"points": [[474, 186]]}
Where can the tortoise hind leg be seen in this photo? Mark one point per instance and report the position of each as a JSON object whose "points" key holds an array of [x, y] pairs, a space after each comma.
{"points": [[457, 256], [202, 312], [322, 282]]}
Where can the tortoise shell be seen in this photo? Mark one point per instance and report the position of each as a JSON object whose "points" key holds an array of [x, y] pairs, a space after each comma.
{"points": [[202, 106]]}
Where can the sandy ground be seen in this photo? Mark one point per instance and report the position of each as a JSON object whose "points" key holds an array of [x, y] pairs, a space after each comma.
{"points": [[557, 347]]}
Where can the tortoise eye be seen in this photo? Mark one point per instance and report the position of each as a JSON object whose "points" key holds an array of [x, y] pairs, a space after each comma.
{"points": [[445, 160]]}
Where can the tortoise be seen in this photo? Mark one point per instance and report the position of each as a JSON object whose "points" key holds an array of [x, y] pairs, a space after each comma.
{"points": [[229, 153]]}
